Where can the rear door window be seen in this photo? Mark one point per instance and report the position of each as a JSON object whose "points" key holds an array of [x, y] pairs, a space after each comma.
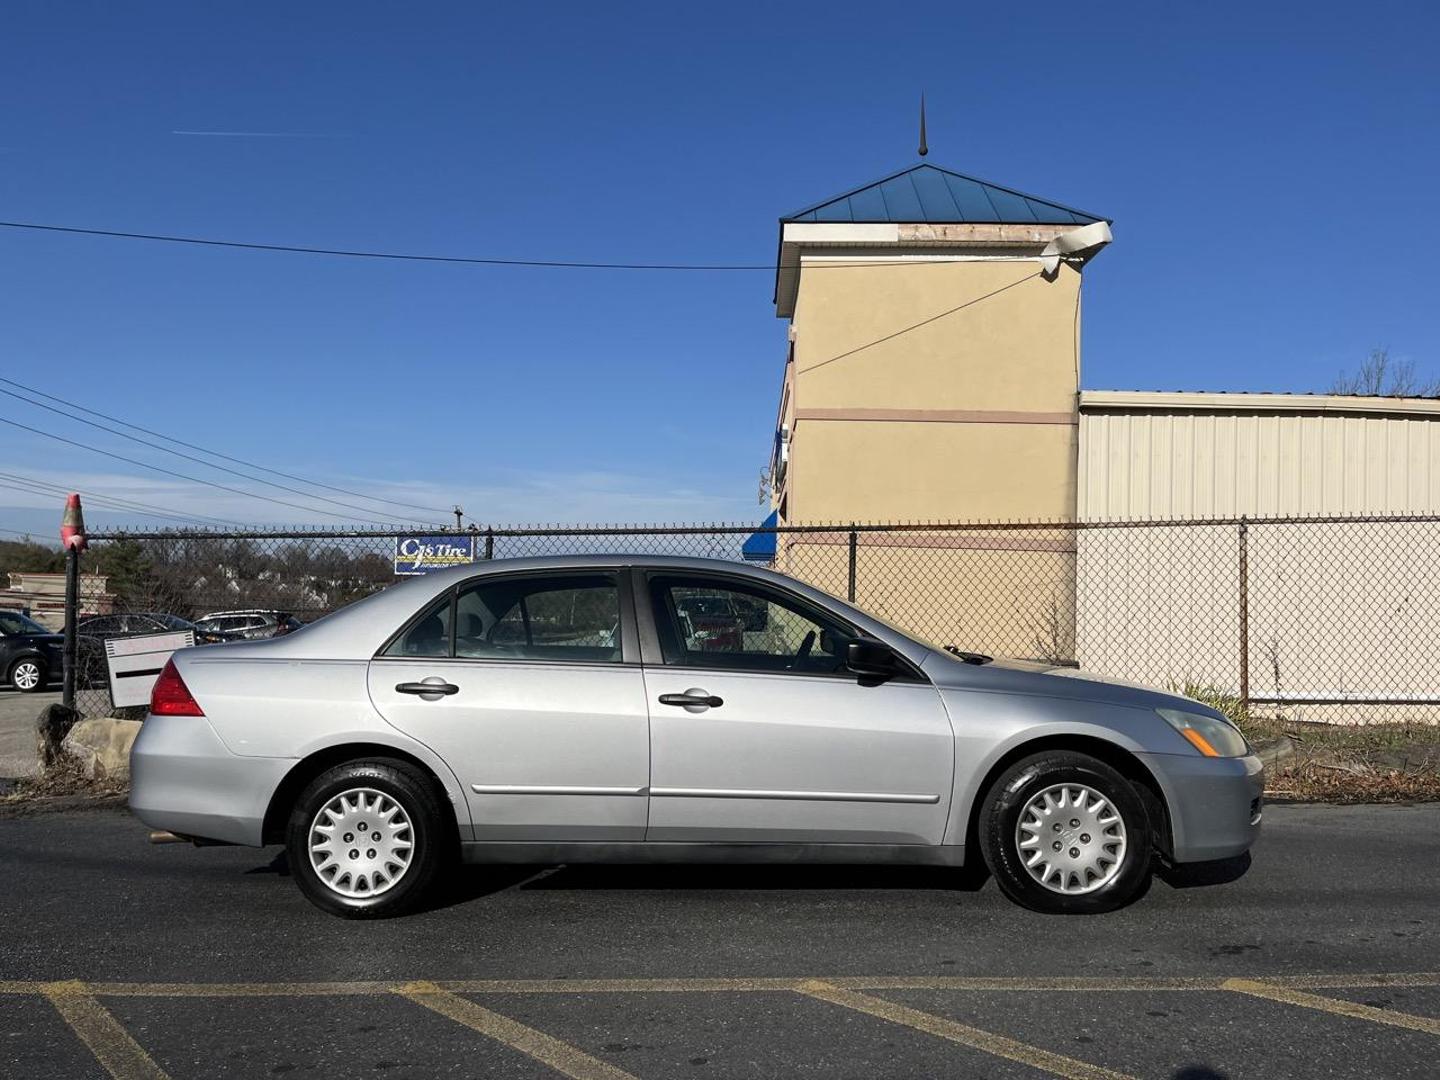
{"points": [[567, 618]]}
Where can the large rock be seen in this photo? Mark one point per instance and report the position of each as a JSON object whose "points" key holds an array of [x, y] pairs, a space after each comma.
{"points": [[51, 727], [101, 747]]}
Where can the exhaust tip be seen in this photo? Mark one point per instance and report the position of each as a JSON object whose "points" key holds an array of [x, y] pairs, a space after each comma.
{"points": [[161, 836]]}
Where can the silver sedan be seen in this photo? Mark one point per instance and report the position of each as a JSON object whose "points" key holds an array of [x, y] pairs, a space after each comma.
{"points": [[646, 709]]}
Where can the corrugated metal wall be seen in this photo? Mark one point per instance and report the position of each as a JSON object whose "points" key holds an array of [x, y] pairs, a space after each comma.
{"points": [[1170, 614], [1180, 464]]}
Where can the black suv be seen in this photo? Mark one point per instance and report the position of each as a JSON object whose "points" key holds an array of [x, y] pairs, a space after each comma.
{"points": [[28, 652]]}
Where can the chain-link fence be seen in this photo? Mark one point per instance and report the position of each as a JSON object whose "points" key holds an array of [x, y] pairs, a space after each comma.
{"points": [[1322, 618]]}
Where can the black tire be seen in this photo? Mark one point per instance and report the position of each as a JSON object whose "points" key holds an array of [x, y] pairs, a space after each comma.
{"points": [[21, 667], [1000, 815], [433, 842]]}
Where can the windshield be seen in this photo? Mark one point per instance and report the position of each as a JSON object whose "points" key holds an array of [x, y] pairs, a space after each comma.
{"points": [[12, 622], [175, 622]]}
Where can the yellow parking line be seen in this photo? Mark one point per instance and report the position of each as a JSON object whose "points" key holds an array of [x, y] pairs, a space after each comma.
{"points": [[120, 1055], [988, 1041], [616, 986], [705, 985], [546, 1049], [1337, 1006], [1353, 982], [221, 990], [1060, 982]]}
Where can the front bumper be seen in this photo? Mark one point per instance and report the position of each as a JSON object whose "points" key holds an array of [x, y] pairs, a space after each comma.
{"points": [[1214, 803], [184, 780]]}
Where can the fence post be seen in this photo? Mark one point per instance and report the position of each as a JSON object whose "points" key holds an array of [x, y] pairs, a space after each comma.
{"points": [[490, 543], [72, 610], [854, 540], [1244, 614]]}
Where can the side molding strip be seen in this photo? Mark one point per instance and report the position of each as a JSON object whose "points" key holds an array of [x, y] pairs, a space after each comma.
{"points": [[807, 796], [526, 789]]}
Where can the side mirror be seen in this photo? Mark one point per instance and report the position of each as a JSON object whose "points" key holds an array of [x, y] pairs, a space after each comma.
{"points": [[870, 659]]}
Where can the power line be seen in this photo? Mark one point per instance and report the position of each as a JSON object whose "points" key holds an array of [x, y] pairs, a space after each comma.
{"points": [[918, 325], [216, 453], [553, 264], [180, 475], [192, 457], [45, 487]]}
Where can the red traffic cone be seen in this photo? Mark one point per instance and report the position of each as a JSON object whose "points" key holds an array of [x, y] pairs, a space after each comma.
{"points": [[72, 525]]}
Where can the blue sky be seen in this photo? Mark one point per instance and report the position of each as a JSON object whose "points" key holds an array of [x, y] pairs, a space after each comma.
{"points": [[1270, 168]]}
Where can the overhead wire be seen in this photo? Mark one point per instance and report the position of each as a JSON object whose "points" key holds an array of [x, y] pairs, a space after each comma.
{"points": [[192, 457], [351, 253], [184, 476], [218, 454], [116, 502]]}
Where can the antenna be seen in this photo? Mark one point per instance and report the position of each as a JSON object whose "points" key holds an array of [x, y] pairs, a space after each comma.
{"points": [[924, 149]]}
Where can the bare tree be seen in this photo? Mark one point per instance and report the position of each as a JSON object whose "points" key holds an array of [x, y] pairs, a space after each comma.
{"points": [[1380, 376]]}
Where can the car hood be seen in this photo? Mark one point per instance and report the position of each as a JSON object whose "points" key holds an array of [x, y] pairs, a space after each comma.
{"points": [[1023, 677]]}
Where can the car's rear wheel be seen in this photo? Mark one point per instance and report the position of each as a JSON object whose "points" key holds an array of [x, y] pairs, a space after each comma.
{"points": [[28, 675], [1066, 833], [366, 839]]}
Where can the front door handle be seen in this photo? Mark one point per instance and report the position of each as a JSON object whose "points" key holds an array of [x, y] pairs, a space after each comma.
{"points": [[692, 699], [431, 689]]}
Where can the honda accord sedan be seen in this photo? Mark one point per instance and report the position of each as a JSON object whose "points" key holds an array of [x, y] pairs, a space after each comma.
{"points": [[573, 709]]}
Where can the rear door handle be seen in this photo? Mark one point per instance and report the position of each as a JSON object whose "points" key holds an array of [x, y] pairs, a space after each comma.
{"points": [[433, 687], [692, 699]]}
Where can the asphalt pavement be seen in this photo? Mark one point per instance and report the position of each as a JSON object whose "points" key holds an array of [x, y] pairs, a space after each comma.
{"points": [[132, 960], [17, 730]]}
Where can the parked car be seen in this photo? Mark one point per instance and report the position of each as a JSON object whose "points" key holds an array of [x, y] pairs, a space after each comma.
{"points": [[29, 653], [713, 618], [432, 721], [132, 623], [252, 624]]}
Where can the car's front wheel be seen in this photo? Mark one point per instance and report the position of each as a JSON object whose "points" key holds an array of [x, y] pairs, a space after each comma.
{"points": [[367, 839], [1066, 833], [28, 675]]}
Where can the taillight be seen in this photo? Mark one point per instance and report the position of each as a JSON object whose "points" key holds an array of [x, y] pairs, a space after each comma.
{"points": [[171, 697]]}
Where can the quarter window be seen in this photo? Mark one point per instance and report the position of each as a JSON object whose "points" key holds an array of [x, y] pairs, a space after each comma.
{"points": [[707, 622], [429, 635]]}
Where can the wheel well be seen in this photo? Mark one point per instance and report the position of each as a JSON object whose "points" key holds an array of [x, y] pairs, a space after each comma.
{"points": [[273, 831], [1117, 757]]}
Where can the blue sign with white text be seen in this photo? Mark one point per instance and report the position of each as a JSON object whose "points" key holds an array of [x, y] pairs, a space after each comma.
{"points": [[421, 554]]}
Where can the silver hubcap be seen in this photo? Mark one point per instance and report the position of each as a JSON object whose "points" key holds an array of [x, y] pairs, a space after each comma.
{"points": [[1071, 839], [27, 676], [361, 843]]}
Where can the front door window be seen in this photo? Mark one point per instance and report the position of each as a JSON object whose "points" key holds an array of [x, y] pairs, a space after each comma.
{"points": [[735, 626]]}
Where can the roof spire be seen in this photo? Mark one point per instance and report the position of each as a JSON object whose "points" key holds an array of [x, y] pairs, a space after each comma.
{"points": [[924, 149]]}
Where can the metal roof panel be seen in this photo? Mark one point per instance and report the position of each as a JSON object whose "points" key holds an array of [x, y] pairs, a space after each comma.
{"points": [[930, 194]]}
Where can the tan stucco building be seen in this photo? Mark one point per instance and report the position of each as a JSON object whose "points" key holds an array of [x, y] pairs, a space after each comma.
{"points": [[934, 353], [933, 375]]}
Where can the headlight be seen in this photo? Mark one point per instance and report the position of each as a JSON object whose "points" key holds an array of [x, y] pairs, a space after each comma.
{"points": [[1212, 737]]}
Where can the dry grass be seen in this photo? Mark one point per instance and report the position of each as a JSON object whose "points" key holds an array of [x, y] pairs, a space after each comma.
{"points": [[1315, 781], [63, 785], [1341, 763]]}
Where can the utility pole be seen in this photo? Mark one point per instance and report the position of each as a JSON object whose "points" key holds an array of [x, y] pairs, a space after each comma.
{"points": [[459, 518]]}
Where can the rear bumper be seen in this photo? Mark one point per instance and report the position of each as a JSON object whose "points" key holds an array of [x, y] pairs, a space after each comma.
{"points": [[184, 780], [1214, 803]]}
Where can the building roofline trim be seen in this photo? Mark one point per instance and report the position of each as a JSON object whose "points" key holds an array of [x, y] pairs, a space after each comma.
{"points": [[1203, 401]]}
